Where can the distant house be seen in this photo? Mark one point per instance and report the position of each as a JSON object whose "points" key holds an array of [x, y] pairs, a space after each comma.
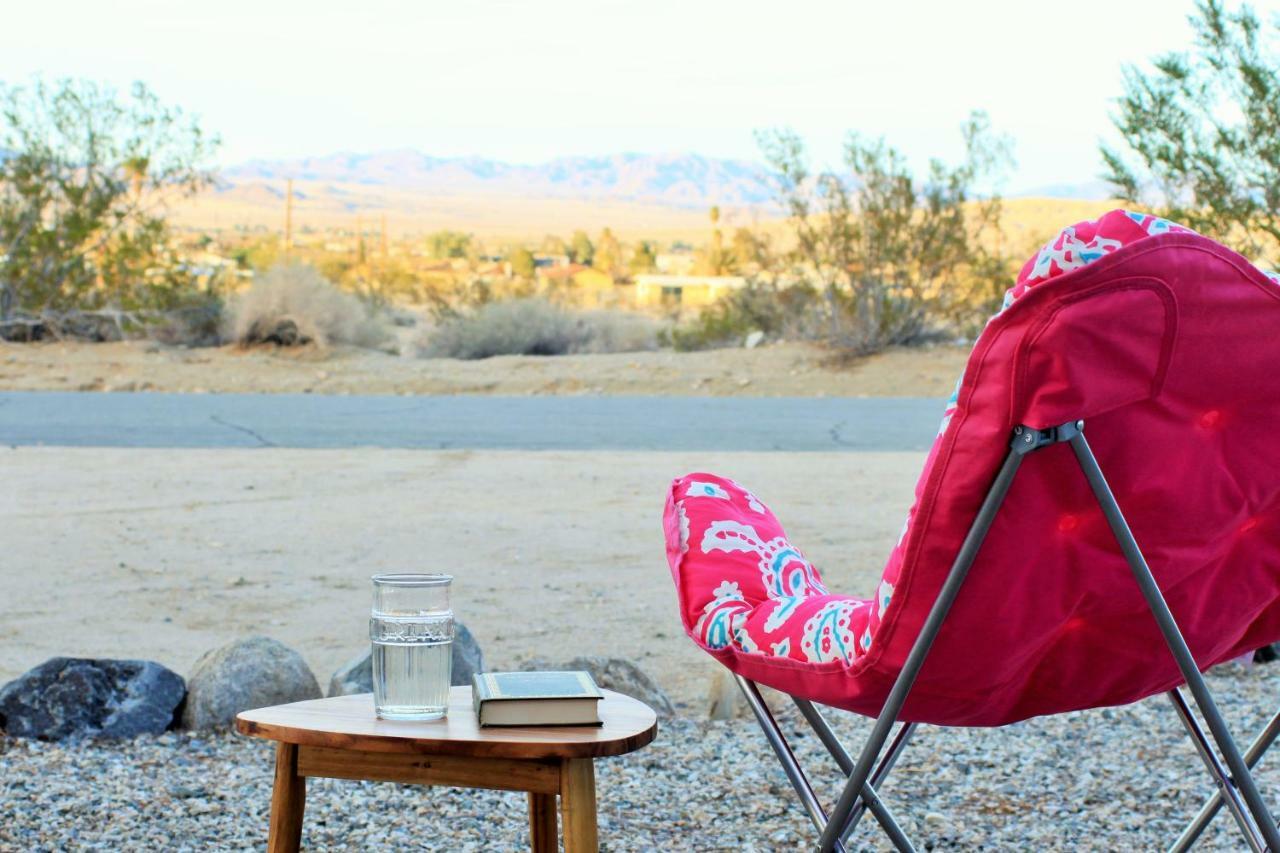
{"points": [[683, 291], [541, 260], [675, 263], [583, 285]]}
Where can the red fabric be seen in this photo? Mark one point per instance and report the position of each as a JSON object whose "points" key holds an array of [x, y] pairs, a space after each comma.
{"points": [[1161, 344]]}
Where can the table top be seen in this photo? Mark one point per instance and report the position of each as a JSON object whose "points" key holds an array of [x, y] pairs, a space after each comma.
{"points": [[348, 722]]}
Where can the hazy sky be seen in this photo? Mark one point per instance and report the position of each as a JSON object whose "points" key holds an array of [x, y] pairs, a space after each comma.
{"points": [[528, 81]]}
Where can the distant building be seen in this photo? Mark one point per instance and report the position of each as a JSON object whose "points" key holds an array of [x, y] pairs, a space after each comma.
{"points": [[675, 263], [675, 292], [583, 285]]}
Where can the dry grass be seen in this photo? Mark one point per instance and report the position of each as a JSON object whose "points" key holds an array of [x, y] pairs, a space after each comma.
{"points": [[534, 326], [294, 305]]}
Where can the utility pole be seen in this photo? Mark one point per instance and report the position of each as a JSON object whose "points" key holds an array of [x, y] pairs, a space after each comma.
{"points": [[288, 217], [383, 247]]}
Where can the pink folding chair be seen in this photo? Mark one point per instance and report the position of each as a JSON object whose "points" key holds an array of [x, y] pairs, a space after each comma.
{"points": [[1026, 582]]}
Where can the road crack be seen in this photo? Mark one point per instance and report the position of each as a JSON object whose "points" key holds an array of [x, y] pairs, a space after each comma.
{"points": [[836, 435], [262, 442]]}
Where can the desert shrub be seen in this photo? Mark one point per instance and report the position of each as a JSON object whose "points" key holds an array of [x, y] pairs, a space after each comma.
{"points": [[791, 312], [534, 326], [85, 174], [887, 250], [617, 331], [1201, 126], [197, 322], [294, 305]]}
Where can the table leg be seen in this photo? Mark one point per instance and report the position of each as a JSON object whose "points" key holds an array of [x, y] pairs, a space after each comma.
{"points": [[543, 837], [578, 805], [288, 799]]}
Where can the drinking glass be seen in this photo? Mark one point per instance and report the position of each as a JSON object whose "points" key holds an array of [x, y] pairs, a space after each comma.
{"points": [[411, 628]]}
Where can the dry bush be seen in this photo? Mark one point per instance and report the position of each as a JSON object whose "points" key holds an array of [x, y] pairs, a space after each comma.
{"points": [[795, 312], [617, 331], [198, 322], [294, 305], [534, 326]]}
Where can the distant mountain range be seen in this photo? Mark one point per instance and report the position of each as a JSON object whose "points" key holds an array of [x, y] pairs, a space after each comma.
{"points": [[667, 180], [637, 194]]}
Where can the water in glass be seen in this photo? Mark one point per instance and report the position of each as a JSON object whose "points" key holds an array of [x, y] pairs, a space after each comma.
{"points": [[411, 629]]}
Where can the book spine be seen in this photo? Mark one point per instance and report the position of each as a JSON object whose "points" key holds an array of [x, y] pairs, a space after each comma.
{"points": [[478, 695]]}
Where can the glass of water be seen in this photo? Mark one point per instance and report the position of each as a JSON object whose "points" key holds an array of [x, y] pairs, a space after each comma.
{"points": [[412, 633]]}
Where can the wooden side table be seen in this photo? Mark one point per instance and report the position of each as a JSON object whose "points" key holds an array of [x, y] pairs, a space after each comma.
{"points": [[341, 738]]}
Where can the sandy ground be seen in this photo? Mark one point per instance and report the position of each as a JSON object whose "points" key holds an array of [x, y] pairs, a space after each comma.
{"points": [[773, 370], [164, 554]]}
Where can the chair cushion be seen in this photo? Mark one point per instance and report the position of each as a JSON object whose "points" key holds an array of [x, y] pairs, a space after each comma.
{"points": [[745, 588]]}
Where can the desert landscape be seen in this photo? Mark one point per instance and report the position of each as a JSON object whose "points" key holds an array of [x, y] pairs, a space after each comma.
{"points": [[294, 296]]}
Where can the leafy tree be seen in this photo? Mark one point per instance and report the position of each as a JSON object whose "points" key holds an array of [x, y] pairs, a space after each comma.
{"points": [[1205, 128], [749, 251], [261, 254], [608, 253], [888, 252], [714, 260], [643, 259], [85, 177], [521, 260], [553, 245], [448, 244], [581, 251]]}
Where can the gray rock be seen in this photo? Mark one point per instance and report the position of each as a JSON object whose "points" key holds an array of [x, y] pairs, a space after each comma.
{"points": [[249, 673], [357, 675], [753, 339], [617, 674], [83, 697]]}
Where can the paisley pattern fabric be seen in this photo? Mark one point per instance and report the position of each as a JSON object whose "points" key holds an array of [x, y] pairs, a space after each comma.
{"points": [[767, 599], [746, 589]]}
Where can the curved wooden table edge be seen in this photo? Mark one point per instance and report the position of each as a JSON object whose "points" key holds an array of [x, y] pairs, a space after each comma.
{"points": [[492, 745]]}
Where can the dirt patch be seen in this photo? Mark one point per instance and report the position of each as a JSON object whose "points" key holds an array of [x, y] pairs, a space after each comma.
{"points": [[767, 371], [163, 554]]}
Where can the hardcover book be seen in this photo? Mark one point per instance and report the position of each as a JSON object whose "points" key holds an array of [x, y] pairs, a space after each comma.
{"points": [[536, 699]]}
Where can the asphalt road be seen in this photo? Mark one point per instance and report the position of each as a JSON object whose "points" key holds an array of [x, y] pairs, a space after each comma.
{"points": [[470, 422]]}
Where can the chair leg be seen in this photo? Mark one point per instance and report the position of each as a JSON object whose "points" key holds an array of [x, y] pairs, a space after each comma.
{"points": [[1211, 807], [1240, 774], [1226, 788], [823, 729], [782, 750], [886, 764], [920, 648], [795, 774]]}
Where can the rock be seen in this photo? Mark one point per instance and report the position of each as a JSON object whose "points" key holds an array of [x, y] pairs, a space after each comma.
{"points": [[281, 331], [467, 657], [724, 699], [617, 674], [754, 339], [357, 675], [83, 697], [249, 673]]}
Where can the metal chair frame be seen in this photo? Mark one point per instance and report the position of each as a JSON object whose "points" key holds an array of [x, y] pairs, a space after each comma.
{"points": [[1229, 768]]}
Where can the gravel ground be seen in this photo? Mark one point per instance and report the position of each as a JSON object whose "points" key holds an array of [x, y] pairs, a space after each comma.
{"points": [[1115, 779]]}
